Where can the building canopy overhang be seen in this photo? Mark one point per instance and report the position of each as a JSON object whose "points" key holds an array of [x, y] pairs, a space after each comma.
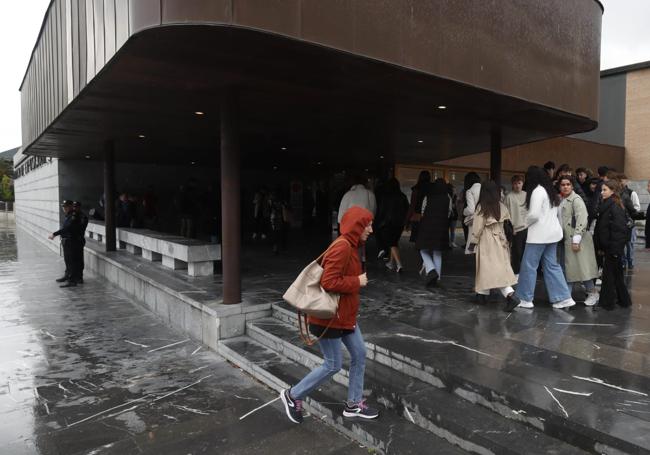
{"points": [[340, 84]]}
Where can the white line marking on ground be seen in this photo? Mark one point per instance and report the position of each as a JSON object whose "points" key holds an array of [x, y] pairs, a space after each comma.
{"points": [[582, 394], [566, 414], [603, 383], [136, 344], [258, 408], [169, 345]]}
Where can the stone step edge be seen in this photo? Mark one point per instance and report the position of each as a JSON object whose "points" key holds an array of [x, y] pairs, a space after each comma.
{"points": [[310, 360], [357, 434], [475, 393]]}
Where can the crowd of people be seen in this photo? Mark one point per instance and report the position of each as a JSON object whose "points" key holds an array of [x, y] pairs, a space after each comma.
{"points": [[575, 228]]}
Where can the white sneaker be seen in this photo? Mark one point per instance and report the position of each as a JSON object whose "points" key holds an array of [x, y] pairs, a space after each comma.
{"points": [[592, 299], [381, 254], [390, 266], [599, 282], [564, 303], [525, 304]]}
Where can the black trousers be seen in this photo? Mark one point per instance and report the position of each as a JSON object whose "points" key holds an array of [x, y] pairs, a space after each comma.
{"points": [[613, 289], [73, 258], [517, 250]]}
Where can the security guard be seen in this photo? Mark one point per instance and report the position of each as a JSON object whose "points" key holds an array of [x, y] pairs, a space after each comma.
{"points": [[69, 233], [79, 245]]}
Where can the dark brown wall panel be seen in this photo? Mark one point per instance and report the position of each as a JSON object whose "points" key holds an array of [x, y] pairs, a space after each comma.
{"points": [[109, 29], [121, 22], [380, 18], [279, 16], [330, 23], [143, 14], [199, 11]]}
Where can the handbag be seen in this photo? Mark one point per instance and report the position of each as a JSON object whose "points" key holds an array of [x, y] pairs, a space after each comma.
{"points": [[307, 296]]}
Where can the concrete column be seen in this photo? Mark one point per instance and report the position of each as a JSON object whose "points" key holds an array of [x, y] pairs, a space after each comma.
{"points": [[230, 202], [495, 155], [109, 194]]}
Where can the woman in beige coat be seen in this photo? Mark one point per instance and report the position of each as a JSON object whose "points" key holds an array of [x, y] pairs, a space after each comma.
{"points": [[579, 261], [488, 239]]}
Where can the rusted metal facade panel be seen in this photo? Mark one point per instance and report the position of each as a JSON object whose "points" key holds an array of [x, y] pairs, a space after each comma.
{"points": [[217, 11], [546, 53], [146, 13]]}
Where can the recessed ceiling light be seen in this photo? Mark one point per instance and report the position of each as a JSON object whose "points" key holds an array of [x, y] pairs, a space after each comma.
{"points": [[442, 107], [381, 157], [319, 163], [141, 136], [284, 148], [275, 168], [420, 141], [199, 113], [193, 162], [87, 157]]}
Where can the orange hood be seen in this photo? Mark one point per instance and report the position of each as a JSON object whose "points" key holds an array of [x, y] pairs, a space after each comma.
{"points": [[354, 221]]}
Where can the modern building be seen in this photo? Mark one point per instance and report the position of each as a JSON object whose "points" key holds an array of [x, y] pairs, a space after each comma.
{"points": [[147, 93]]}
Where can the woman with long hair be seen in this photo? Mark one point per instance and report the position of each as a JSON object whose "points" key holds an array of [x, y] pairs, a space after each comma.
{"points": [[488, 240], [577, 250], [610, 235], [544, 232], [418, 191], [433, 237]]}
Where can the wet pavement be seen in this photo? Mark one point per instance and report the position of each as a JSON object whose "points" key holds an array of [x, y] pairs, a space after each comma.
{"points": [[87, 371]]}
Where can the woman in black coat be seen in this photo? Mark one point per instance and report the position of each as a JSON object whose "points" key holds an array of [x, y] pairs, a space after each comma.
{"points": [[610, 236], [433, 235], [389, 222]]}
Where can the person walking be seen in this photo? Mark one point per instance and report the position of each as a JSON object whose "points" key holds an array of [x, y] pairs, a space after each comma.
{"points": [[472, 185], [358, 195], [577, 255], [342, 274], [632, 205], [69, 233], [488, 240], [647, 223], [433, 235], [516, 204], [544, 232], [414, 214], [393, 206], [610, 235]]}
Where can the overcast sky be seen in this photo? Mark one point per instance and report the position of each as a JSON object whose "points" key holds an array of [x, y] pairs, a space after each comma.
{"points": [[625, 40]]}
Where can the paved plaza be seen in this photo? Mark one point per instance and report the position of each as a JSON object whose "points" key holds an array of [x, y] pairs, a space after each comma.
{"points": [[87, 371]]}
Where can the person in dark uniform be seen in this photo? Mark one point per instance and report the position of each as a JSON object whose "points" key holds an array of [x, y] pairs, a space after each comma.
{"points": [[69, 233], [81, 241]]}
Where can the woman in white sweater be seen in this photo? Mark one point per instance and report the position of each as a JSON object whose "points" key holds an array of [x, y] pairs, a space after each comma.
{"points": [[544, 233]]}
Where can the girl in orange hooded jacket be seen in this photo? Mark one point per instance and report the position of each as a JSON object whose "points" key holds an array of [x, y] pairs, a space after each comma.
{"points": [[342, 273]]}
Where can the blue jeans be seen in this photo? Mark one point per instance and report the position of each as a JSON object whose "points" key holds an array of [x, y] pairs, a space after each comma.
{"points": [[432, 260], [333, 361], [556, 285]]}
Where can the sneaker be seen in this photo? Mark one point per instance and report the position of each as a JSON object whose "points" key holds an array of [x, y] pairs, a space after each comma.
{"points": [[592, 299], [564, 303], [390, 266], [512, 302], [381, 254], [292, 407], [263, 236], [254, 235], [399, 268], [361, 410], [423, 270], [432, 278], [525, 304], [599, 282]]}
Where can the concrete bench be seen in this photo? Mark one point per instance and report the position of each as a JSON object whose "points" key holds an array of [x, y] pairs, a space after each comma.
{"points": [[175, 252]]}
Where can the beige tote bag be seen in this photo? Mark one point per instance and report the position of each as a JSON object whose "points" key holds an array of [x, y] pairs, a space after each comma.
{"points": [[307, 295]]}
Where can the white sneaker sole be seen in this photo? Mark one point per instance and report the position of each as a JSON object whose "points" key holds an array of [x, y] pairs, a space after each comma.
{"points": [[561, 305], [525, 305], [354, 415]]}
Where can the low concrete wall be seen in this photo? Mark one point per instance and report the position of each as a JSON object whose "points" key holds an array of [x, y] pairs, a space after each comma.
{"points": [[200, 322]]}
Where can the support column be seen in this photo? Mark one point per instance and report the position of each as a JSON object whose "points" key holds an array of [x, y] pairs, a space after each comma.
{"points": [[230, 202], [109, 194], [495, 155]]}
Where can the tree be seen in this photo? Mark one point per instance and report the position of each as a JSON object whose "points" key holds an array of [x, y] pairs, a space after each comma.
{"points": [[6, 189]]}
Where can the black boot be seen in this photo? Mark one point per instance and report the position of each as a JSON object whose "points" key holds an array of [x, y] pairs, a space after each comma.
{"points": [[62, 279], [481, 299], [69, 284], [512, 301], [432, 278]]}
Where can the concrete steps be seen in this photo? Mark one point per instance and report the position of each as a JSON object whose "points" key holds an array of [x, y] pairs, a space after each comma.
{"points": [[517, 390], [391, 434], [435, 410]]}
